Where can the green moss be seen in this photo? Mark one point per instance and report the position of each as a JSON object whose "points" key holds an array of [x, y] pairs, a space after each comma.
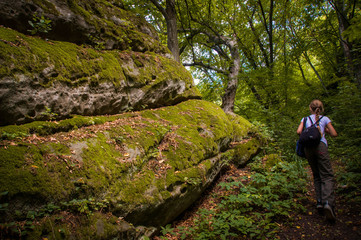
{"points": [[245, 151], [46, 6], [25, 172], [126, 33], [132, 191], [46, 128], [101, 164], [241, 126], [133, 160], [77, 65], [71, 63]]}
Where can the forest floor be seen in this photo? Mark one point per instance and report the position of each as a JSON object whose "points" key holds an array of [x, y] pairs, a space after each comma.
{"points": [[309, 225]]}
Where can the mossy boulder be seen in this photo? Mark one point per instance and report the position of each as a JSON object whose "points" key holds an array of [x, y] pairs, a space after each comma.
{"points": [[42, 79], [101, 23], [144, 168], [86, 57]]}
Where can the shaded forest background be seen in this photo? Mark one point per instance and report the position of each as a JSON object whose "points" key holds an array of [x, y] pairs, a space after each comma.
{"points": [[266, 60]]}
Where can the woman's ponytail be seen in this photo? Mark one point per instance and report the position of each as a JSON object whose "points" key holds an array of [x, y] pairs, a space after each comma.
{"points": [[316, 106], [317, 112]]}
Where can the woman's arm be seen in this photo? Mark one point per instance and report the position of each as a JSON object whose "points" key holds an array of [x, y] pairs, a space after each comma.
{"points": [[300, 128], [330, 130]]}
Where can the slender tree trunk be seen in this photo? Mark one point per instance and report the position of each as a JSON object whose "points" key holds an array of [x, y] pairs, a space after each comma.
{"points": [[302, 72], [285, 59], [230, 93], [253, 90], [316, 72], [351, 53], [270, 33], [172, 32], [170, 16], [269, 29], [259, 42]]}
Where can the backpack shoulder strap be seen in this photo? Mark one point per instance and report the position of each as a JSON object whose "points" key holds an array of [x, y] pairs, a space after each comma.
{"points": [[319, 119], [310, 120], [316, 121]]}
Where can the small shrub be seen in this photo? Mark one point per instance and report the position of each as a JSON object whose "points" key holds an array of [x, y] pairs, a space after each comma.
{"points": [[39, 25]]}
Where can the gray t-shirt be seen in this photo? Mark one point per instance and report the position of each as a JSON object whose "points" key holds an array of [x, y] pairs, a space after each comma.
{"points": [[323, 122]]}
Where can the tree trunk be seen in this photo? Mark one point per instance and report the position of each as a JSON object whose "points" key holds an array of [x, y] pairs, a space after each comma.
{"points": [[351, 53], [172, 32], [270, 33], [230, 93], [170, 16], [316, 72], [302, 72]]}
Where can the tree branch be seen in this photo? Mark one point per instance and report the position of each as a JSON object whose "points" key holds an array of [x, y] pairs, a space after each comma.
{"points": [[207, 66], [159, 7]]}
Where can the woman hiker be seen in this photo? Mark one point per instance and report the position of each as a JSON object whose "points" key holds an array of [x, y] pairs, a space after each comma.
{"points": [[319, 160]]}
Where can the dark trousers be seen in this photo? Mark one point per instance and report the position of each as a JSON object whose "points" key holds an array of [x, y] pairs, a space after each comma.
{"points": [[323, 177]]}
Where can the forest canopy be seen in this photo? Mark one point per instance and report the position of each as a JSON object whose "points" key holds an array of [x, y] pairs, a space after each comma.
{"points": [[266, 60], [261, 54]]}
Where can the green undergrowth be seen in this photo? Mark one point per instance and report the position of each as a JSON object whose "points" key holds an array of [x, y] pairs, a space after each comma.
{"points": [[79, 218], [345, 149], [28, 221], [253, 204]]}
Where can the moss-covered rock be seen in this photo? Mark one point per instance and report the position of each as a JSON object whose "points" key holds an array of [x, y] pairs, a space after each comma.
{"points": [[103, 24], [42, 79], [89, 57], [145, 167]]}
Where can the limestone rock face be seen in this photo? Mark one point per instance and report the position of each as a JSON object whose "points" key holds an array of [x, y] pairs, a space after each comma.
{"points": [[144, 167], [41, 78], [101, 23]]}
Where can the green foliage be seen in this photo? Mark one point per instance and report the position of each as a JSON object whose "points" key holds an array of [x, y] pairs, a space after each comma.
{"points": [[85, 206], [192, 181], [353, 32], [346, 116], [97, 42], [39, 25], [48, 114], [167, 229], [27, 221], [252, 209]]}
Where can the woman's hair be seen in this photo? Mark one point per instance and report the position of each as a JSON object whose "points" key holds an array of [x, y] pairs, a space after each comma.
{"points": [[316, 107]]}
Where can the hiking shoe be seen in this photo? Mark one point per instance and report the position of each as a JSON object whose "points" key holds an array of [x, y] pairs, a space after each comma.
{"points": [[319, 207], [329, 212]]}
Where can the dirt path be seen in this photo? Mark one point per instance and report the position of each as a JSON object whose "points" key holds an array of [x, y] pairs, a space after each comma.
{"points": [[310, 225]]}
